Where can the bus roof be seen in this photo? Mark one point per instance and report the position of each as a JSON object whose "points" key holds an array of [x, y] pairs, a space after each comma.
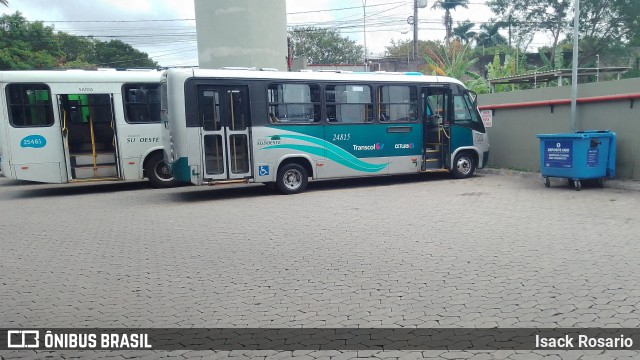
{"points": [[317, 76], [72, 76]]}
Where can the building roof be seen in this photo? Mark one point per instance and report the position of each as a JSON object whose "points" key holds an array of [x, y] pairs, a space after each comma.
{"points": [[547, 76]]}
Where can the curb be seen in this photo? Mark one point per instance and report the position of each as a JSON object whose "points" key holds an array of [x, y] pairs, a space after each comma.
{"points": [[630, 185]]}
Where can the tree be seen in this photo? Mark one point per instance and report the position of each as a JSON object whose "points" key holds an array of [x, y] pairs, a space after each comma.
{"points": [[325, 46], [463, 32], [489, 35], [550, 16], [403, 49], [606, 26], [116, 53], [497, 71], [447, 6], [453, 61], [28, 45], [4, 2], [78, 51]]}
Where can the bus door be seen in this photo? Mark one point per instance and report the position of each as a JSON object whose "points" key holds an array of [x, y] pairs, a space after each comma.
{"points": [[436, 105], [89, 135], [224, 116], [33, 150]]}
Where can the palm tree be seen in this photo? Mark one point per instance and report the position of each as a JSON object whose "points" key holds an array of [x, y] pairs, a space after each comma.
{"points": [[447, 6], [453, 60], [489, 36], [4, 2], [463, 32]]}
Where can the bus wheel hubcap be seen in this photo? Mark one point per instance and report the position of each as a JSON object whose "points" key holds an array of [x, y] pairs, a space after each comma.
{"points": [[292, 179], [464, 165], [163, 171]]}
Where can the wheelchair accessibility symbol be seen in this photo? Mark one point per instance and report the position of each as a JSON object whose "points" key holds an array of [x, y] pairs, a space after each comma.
{"points": [[263, 170]]}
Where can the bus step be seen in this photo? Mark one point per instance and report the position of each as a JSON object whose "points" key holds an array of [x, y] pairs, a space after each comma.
{"points": [[434, 171], [432, 154], [432, 164], [87, 159], [95, 179], [87, 147], [224, 182], [88, 172]]}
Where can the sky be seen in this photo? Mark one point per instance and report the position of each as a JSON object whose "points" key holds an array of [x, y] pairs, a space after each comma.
{"points": [[165, 29]]}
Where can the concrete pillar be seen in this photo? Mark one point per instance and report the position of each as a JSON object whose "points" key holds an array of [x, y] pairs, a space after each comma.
{"points": [[241, 33]]}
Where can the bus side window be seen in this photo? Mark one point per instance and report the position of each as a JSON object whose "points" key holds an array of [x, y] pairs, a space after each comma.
{"points": [[398, 103], [29, 105], [293, 103], [465, 113], [349, 103], [142, 103], [461, 112]]}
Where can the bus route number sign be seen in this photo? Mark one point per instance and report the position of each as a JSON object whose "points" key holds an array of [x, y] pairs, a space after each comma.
{"points": [[558, 154], [33, 141]]}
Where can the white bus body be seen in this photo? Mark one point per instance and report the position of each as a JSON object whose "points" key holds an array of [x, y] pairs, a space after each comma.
{"points": [[78, 126]]}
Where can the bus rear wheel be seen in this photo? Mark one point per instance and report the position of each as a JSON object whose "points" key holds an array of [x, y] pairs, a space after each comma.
{"points": [[159, 172], [464, 165], [292, 179]]}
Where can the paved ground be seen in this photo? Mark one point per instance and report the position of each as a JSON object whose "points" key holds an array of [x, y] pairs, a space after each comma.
{"points": [[491, 251]]}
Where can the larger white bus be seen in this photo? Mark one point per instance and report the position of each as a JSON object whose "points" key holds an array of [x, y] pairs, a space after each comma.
{"points": [[78, 126], [282, 128]]}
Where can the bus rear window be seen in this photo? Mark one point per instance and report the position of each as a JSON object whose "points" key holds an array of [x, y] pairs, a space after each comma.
{"points": [[141, 103], [29, 105]]}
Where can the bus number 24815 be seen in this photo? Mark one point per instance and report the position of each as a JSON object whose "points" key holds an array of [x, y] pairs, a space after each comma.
{"points": [[341, 137]]}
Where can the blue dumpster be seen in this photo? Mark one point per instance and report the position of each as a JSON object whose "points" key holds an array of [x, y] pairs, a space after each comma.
{"points": [[583, 155]]}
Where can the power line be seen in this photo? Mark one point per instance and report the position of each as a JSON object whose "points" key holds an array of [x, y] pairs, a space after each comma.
{"points": [[179, 31], [345, 8], [109, 21], [193, 19]]}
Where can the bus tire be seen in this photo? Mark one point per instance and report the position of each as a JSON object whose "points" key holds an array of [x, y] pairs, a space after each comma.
{"points": [[158, 172], [464, 165], [292, 179]]}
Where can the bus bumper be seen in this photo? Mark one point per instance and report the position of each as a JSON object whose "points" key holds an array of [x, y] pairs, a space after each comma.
{"points": [[485, 159]]}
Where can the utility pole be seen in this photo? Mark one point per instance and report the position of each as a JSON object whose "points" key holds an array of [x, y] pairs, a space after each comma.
{"points": [[509, 30], [597, 67], [415, 29], [574, 69], [364, 31]]}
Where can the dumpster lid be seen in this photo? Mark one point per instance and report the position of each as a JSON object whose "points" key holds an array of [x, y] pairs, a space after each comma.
{"points": [[578, 134]]}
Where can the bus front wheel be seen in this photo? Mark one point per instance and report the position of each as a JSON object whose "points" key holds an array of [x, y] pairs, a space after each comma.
{"points": [[158, 172], [292, 179], [464, 165]]}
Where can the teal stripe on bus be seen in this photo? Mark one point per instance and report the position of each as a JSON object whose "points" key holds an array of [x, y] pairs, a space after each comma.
{"points": [[461, 136], [180, 170], [364, 140]]}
